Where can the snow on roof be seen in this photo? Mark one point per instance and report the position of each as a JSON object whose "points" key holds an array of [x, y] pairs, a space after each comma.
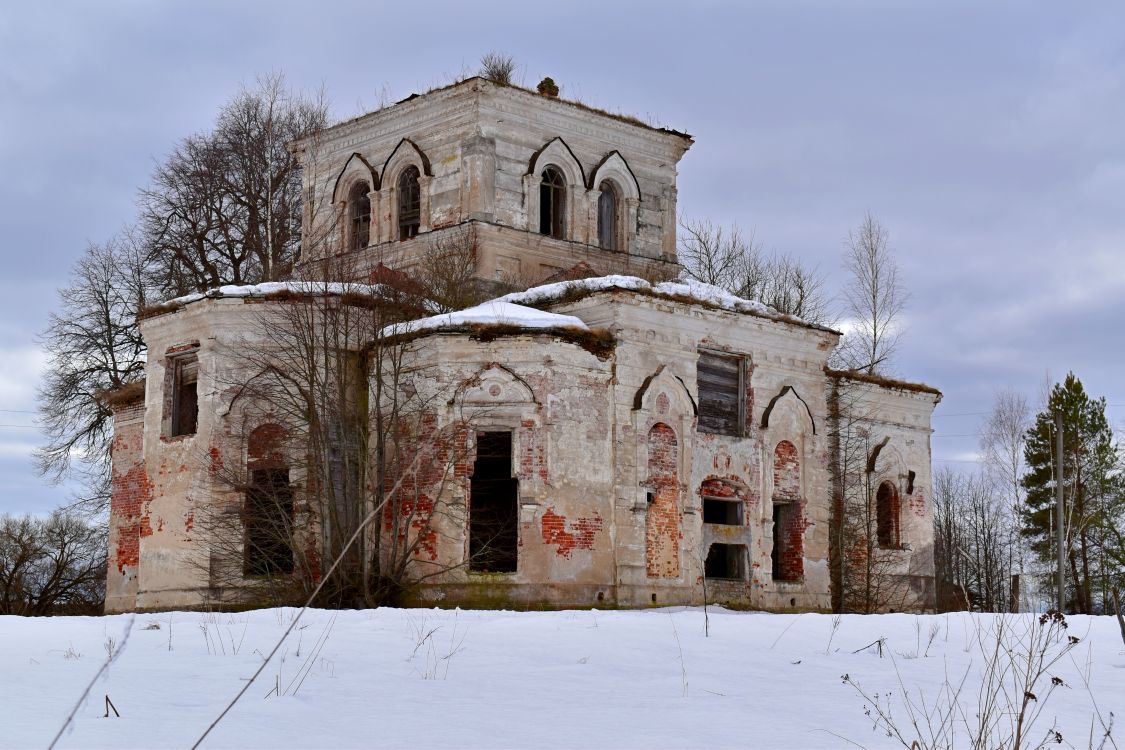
{"points": [[278, 287], [697, 291], [493, 312]]}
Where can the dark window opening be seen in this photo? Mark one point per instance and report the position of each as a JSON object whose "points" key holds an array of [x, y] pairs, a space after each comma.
{"points": [[493, 506], [720, 394], [409, 204], [910, 482], [269, 523], [722, 511], [607, 216], [359, 211], [785, 565], [185, 396], [886, 516], [725, 561], [552, 203]]}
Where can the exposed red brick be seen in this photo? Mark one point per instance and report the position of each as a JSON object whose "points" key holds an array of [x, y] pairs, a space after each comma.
{"points": [[662, 524], [917, 502], [579, 536], [532, 462], [265, 448], [129, 501], [786, 472]]}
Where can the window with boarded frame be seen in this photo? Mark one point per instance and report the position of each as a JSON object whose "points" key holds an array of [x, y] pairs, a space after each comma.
{"points": [[721, 381]]}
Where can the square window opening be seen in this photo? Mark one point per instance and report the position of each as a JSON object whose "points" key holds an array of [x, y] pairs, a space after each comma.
{"points": [[722, 511], [726, 562]]}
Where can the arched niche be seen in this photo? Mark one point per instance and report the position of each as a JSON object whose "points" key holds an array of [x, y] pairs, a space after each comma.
{"points": [[663, 398], [787, 403], [493, 386], [356, 168]]}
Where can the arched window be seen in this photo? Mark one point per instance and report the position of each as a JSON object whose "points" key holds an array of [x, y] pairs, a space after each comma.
{"points": [[552, 203], [887, 516], [607, 216], [409, 204], [359, 215]]}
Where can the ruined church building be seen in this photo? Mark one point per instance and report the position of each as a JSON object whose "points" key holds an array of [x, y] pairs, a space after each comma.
{"points": [[692, 448]]}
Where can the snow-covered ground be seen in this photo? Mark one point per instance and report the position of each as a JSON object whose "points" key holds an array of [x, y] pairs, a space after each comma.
{"points": [[439, 678]]}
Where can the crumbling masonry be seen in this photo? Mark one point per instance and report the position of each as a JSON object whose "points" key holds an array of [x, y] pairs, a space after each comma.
{"points": [[649, 440]]}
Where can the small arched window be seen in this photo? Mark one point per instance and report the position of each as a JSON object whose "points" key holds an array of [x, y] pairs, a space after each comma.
{"points": [[552, 203], [359, 215], [607, 216], [409, 203], [887, 516]]}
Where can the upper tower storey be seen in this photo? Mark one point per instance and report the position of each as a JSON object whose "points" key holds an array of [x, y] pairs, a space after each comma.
{"points": [[543, 183]]}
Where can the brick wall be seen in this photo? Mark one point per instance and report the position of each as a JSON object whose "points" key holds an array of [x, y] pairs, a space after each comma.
{"points": [[662, 526], [131, 492]]}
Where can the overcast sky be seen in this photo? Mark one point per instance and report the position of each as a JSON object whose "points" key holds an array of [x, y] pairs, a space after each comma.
{"points": [[990, 141]]}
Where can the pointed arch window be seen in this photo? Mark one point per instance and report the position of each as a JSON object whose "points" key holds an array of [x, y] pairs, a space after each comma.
{"points": [[409, 203], [607, 216], [359, 216], [552, 203]]}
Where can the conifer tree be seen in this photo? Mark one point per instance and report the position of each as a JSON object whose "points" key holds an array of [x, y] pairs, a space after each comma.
{"points": [[1092, 493]]}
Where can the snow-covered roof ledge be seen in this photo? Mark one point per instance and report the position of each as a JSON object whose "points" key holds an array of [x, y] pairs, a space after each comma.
{"points": [[495, 312], [694, 292], [270, 289]]}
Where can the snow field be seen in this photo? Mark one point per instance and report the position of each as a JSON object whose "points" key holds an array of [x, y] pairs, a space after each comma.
{"points": [[447, 678]]}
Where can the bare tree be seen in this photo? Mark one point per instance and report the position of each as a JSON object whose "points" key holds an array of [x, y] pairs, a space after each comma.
{"points": [[866, 575], [788, 286], [1002, 441], [723, 257], [225, 206], [336, 434], [874, 299], [949, 565], [446, 272], [51, 566], [716, 255], [93, 345]]}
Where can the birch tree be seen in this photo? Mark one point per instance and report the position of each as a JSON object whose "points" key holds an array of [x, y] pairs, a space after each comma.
{"points": [[874, 299]]}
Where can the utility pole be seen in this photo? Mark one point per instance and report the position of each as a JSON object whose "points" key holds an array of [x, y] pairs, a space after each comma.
{"points": [[1060, 541]]}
